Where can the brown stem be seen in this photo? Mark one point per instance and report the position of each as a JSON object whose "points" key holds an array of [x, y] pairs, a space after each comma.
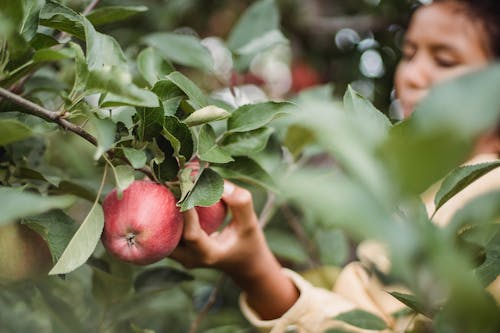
{"points": [[210, 302], [90, 7], [55, 117], [298, 230], [267, 210]]}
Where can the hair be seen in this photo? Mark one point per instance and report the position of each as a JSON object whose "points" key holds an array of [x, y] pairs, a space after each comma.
{"points": [[487, 12]]}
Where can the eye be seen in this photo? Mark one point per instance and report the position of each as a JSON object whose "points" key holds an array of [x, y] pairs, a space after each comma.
{"points": [[446, 62]]}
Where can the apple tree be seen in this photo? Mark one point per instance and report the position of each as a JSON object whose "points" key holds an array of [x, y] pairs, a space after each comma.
{"points": [[80, 117]]}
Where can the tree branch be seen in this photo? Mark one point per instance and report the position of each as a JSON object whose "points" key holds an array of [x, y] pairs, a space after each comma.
{"points": [[48, 115], [210, 302], [56, 117], [90, 7]]}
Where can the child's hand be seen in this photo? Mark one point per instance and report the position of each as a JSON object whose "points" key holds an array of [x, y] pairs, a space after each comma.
{"points": [[240, 250], [238, 246]]}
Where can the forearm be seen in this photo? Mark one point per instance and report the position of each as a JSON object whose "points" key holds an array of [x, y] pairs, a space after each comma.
{"points": [[269, 292]]}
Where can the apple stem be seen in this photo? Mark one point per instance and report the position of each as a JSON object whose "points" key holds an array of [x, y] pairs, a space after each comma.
{"points": [[130, 239]]}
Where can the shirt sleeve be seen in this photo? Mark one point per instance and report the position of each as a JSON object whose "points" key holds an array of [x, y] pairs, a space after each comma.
{"points": [[316, 308]]}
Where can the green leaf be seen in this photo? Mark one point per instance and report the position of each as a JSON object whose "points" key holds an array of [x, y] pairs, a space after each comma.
{"points": [[246, 170], [256, 21], [136, 157], [412, 302], [206, 115], [81, 70], [263, 43], [362, 319], [12, 130], [179, 136], [152, 66], [103, 51], [160, 278], [55, 227], [460, 178], [124, 176], [42, 41], [285, 246], [170, 96], [82, 244], [31, 11], [190, 89], [49, 54], [488, 236], [105, 132], [297, 139], [208, 149], [252, 116], [246, 143], [165, 169], [482, 209], [150, 123], [186, 181], [57, 16], [15, 204], [186, 50], [355, 102], [441, 133], [333, 246], [206, 192], [109, 14], [167, 90]]}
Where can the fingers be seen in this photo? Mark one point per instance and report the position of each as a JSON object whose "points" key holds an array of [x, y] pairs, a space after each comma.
{"points": [[194, 236], [239, 201]]}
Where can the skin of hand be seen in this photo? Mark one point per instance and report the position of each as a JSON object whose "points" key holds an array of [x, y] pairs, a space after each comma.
{"points": [[239, 250]]}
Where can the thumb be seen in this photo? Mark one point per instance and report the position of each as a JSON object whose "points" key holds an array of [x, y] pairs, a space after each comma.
{"points": [[239, 201]]}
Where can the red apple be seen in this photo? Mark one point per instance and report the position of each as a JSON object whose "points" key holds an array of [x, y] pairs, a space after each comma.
{"points": [[212, 217], [143, 226]]}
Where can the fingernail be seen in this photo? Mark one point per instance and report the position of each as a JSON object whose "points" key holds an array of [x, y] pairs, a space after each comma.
{"points": [[228, 188]]}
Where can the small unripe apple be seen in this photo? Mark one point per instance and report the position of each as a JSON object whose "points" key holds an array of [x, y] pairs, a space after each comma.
{"points": [[144, 226], [212, 217], [24, 253]]}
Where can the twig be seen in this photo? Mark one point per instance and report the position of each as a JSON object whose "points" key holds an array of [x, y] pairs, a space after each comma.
{"points": [[56, 117], [46, 114], [210, 302], [267, 210], [90, 7], [299, 231]]}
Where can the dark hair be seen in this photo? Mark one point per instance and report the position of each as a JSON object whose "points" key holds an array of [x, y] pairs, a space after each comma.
{"points": [[488, 13]]}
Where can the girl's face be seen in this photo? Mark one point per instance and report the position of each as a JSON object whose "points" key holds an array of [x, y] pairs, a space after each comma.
{"points": [[442, 42]]}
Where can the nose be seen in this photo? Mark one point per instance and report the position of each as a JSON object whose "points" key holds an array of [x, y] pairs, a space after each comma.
{"points": [[418, 74]]}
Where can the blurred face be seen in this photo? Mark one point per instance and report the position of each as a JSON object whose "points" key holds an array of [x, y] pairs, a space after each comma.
{"points": [[441, 43]]}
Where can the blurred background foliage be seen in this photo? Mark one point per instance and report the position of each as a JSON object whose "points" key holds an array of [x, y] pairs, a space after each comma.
{"points": [[338, 42], [333, 44]]}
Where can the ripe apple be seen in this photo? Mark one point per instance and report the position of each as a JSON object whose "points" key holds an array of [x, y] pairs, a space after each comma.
{"points": [[212, 217], [143, 226]]}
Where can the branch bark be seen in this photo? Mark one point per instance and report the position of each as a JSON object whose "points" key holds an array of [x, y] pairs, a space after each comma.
{"points": [[210, 302], [52, 116], [56, 117]]}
